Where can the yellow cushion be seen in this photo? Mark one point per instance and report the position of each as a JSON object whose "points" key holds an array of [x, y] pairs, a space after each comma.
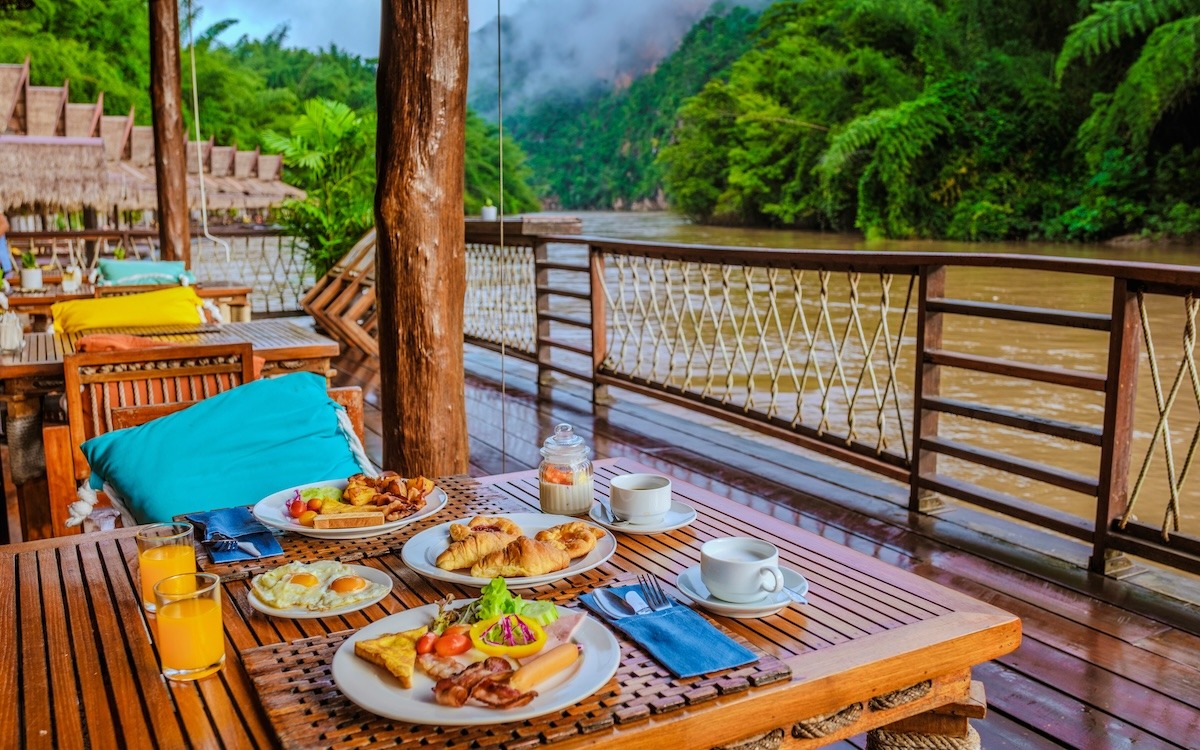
{"points": [[178, 306]]}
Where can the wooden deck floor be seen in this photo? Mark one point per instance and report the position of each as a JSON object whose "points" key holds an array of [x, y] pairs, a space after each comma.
{"points": [[1103, 664]]}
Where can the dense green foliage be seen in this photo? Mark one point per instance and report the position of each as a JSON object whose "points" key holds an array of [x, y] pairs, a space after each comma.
{"points": [[330, 152], [599, 150], [247, 89], [908, 118]]}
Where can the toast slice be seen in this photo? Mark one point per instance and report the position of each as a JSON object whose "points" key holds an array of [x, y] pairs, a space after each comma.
{"points": [[347, 520], [395, 652]]}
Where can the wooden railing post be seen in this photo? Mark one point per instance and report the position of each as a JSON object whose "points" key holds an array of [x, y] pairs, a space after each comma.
{"points": [[599, 322], [926, 384], [541, 333], [1124, 348]]}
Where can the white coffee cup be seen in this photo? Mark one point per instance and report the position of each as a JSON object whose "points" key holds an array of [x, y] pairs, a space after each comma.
{"points": [[740, 569], [640, 499]]}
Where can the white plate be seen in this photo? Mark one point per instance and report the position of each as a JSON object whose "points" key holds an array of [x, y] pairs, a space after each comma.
{"points": [[272, 511], [677, 517], [377, 691], [421, 551], [374, 575], [690, 584]]}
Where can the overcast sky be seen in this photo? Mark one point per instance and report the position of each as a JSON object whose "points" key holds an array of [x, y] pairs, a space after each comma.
{"points": [[351, 24]]}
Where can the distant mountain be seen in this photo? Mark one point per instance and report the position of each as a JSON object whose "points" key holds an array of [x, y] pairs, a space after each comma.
{"points": [[595, 146]]}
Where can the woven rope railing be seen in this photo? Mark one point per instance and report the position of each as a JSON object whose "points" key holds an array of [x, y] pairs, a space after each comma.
{"points": [[817, 349], [501, 301], [1185, 382]]}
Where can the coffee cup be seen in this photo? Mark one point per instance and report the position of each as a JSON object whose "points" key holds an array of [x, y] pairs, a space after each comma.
{"points": [[740, 569], [640, 499]]}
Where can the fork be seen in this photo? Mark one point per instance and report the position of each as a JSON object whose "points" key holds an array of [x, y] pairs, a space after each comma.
{"points": [[655, 596]]}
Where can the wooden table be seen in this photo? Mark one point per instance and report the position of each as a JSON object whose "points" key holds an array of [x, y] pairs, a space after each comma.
{"points": [[27, 376], [233, 299], [80, 656]]}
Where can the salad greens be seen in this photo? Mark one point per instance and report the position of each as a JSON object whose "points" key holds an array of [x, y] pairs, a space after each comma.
{"points": [[332, 493], [495, 600]]}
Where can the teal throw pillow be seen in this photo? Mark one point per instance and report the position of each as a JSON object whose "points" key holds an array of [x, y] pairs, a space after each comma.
{"points": [[131, 272], [232, 449]]}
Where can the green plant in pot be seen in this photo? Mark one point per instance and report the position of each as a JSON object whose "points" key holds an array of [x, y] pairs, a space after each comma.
{"points": [[488, 211], [31, 274]]}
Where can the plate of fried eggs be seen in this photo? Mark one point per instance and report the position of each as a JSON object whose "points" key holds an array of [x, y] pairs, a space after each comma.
{"points": [[325, 588]]}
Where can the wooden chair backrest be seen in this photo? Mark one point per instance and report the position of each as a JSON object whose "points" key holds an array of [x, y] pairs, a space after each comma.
{"points": [[97, 383], [349, 397]]}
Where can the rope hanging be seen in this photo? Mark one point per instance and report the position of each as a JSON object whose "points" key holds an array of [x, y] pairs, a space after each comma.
{"points": [[199, 145]]}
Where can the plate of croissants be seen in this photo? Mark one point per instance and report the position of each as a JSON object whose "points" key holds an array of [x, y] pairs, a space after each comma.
{"points": [[526, 549]]}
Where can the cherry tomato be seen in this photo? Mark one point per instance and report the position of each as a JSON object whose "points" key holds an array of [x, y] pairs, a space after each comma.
{"points": [[315, 504], [306, 518], [296, 506], [452, 645], [425, 643], [457, 630]]}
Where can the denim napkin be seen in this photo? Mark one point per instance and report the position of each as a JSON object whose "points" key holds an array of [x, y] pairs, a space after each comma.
{"points": [[677, 637], [239, 523]]}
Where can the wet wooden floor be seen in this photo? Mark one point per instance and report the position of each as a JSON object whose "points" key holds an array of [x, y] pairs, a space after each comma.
{"points": [[1103, 663]]}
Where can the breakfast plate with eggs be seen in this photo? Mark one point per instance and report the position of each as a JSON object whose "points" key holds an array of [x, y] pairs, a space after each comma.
{"points": [[325, 588]]}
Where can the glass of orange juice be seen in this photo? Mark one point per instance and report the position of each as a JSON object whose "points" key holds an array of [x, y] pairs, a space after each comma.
{"points": [[164, 549], [191, 640]]}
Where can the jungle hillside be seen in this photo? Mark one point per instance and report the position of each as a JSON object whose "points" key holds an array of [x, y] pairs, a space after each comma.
{"points": [[962, 119]]}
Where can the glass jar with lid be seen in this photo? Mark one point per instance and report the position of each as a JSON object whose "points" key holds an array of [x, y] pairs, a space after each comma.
{"points": [[565, 474]]}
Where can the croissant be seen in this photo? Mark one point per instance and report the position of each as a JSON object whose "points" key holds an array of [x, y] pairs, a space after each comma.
{"points": [[522, 557], [574, 537], [458, 531], [465, 553]]}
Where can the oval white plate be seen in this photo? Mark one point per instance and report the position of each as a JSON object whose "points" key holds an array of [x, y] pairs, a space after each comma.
{"points": [[374, 575], [271, 511], [690, 584], [421, 551], [377, 691], [677, 517]]}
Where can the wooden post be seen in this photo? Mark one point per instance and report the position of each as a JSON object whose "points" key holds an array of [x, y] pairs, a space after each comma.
{"points": [[927, 383], [421, 253], [600, 395], [1124, 347], [170, 157], [541, 280]]}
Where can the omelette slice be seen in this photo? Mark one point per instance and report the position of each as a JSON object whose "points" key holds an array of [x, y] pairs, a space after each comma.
{"points": [[395, 652]]}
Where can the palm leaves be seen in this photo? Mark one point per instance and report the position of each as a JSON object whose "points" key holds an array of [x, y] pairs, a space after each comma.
{"points": [[1166, 70], [1112, 23]]}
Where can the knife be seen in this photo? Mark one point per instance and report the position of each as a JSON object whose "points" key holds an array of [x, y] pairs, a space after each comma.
{"points": [[638, 603]]}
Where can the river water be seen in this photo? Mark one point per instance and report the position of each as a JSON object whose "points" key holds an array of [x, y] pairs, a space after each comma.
{"points": [[1034, 344]]}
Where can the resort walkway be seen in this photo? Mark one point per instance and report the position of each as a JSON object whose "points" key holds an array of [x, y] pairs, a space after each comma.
{"points": [[1103, 663]]}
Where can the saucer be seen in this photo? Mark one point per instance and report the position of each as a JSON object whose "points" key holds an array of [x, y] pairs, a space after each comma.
{"points": [[690, 584], [677, 517]]}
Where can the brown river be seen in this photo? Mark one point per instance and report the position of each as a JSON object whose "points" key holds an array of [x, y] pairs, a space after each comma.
{"points": [[1035, 344]]}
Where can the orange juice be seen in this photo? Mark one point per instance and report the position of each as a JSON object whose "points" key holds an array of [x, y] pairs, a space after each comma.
{"points": [[156, 563], [191, 641]]}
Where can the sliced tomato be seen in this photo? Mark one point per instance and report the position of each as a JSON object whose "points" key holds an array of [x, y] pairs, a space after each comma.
{"points": [[452, 644], [425, 643]]}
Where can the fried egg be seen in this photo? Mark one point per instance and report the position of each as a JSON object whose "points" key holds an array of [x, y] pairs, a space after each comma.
{"points": [[317, 586]]}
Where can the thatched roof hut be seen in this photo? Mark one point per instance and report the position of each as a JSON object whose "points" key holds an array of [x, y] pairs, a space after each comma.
{"points": [[62, 156]]}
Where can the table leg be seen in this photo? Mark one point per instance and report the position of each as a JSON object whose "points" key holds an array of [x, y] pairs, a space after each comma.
{"points": [[28, 466], [943, 728]]}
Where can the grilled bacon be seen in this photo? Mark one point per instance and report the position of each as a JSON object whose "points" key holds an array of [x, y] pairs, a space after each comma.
{"points": [[456, 689]]}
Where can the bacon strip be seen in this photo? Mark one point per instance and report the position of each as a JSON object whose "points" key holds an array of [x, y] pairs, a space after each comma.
{"points": [[456, 689]]}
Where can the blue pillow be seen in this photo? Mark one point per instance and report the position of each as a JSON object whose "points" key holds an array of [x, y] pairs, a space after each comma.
{"points": [[232, 449], [123, 272]]}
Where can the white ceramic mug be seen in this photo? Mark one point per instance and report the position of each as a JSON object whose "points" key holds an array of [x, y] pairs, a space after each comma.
{"points": [[640, 499], [740, 569]]}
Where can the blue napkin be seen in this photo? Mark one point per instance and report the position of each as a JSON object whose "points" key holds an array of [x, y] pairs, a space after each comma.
{"points": [[239, 523], [677, 637]]}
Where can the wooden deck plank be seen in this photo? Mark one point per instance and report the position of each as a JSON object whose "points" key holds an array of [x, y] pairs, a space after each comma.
{"points": [[1081, 631]]}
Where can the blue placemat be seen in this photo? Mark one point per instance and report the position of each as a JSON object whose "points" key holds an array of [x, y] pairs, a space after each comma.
{"points": [[236, 522], [677, 637]]}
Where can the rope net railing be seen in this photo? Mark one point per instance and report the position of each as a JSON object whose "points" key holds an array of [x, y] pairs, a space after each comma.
{"points": [[831, 351], [1167, 423], [501, 299]]}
